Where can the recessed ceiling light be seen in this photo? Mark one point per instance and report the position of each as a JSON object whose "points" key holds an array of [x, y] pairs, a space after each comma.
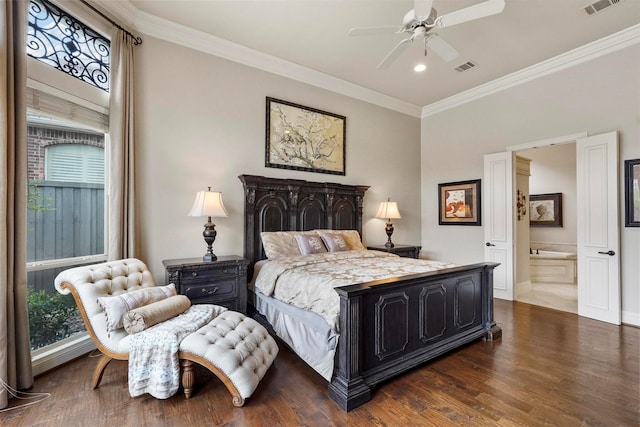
{"points": [[419, 68]]}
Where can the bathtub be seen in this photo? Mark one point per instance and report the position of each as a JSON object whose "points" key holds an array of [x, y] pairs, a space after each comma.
{"points": [[552, 255], [553, 267]]}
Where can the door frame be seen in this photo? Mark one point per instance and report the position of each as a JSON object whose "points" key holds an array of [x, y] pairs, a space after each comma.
{"points": [[544, 143]]}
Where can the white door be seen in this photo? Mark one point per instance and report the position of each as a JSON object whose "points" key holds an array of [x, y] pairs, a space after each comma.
{"points": [[598, 239], [497, 195]]}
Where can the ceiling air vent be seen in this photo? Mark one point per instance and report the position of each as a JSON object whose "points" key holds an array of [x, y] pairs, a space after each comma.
{"points": [[600, 5], [466, 66]]}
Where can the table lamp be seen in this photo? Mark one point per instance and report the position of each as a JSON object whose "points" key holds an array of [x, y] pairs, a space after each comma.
{"points": [[388, 210], [209, 203]]}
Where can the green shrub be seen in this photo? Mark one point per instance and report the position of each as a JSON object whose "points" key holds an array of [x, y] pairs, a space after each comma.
{"points": [[50, 317]]}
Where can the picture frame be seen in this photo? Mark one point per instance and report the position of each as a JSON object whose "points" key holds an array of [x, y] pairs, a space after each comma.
{"points": [[304, 138], [459, 203], [632, 193], [545, 210]]}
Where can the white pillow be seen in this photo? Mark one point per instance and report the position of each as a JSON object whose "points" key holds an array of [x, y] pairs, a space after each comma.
{"points": [[281, 244], [115, 307]]}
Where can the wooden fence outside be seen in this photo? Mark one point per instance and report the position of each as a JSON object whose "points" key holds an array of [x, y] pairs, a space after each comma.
{"points": [[64, 220]]}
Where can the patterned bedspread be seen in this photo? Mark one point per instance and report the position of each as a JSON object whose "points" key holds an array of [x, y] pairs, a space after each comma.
{"points": [[307, 281]]}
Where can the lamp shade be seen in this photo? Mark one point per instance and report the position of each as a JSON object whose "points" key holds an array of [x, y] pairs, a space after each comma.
{"points": [[208, 203], [388, 210]]}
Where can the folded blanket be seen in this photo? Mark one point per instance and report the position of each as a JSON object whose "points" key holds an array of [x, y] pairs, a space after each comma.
{"points": [[154, 367], [144, 317]]}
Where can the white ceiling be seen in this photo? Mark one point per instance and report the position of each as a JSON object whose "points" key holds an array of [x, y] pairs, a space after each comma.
{"points": [[314, 34]]}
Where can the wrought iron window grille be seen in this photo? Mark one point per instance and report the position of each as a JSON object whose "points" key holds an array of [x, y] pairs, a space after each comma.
{"points": [[63, 42]]}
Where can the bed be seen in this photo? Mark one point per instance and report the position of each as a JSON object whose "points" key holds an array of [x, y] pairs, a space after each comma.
{"points": [[383, 327]]}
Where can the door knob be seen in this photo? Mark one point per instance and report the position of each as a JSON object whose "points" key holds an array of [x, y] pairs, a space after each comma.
{"points": [[610, 253], [489, 244]]}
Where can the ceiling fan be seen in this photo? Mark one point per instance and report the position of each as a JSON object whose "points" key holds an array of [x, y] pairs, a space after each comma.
{"points": [[422, 19]]}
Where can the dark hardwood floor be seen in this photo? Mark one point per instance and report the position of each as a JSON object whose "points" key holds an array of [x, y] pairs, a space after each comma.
{"points": [[549, 368]]}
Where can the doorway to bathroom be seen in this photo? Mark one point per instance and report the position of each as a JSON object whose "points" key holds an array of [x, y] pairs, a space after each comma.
{"points": [[597, 248], [546, 219]]}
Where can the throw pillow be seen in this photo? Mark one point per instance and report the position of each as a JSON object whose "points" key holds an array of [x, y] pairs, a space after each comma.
{"points": [[115, 307], [334, 242], [310, 244]]}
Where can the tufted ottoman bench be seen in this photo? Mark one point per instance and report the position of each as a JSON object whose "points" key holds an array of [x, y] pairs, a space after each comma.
{"points": [[236, 348]]}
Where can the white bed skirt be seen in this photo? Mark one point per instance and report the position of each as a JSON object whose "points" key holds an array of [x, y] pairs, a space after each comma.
{"points": [[308, 335]]}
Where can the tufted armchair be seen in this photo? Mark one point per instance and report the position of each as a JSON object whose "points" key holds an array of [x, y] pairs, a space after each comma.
{"points": [[234, 347]]}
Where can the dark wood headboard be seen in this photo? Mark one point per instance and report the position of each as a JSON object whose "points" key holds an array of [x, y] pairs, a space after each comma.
{"points": [[277, 204]]}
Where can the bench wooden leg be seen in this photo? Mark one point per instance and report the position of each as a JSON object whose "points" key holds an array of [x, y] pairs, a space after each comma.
{"points": [[99, 370], [187, 377]]}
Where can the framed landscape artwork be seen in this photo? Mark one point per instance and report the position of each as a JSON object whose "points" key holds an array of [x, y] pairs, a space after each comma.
{"points": [[632, 193], [304, 138], [545, 210], [459, 203]]}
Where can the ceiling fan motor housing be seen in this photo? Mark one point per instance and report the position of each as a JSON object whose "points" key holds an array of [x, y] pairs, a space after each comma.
{"points": [[410, 22]]}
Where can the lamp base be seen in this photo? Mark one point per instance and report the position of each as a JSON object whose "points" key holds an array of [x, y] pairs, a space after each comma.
{"points": [[389, 230], [209, 257], [209, 234]]}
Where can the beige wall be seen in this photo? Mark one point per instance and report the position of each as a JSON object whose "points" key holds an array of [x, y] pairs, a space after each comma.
{"points": [[598, 96], [201, 122]]}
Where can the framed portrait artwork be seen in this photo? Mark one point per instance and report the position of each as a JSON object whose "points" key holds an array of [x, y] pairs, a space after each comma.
{"points": [[304, 138], [459, 203], [545, 210], [632, 193]]}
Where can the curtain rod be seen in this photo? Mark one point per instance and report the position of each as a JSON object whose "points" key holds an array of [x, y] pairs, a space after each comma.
{"points": [[136, 39]]}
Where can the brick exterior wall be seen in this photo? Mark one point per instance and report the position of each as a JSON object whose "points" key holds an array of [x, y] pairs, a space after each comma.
{"points": [[39, 137]]}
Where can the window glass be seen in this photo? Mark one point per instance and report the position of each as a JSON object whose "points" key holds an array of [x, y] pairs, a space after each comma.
{"points": [[65, 219], [61, 41]]}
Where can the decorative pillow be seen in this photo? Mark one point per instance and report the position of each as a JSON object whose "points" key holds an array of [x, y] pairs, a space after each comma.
{"points": [[310, 244], [141, 318], [281, 244], [352, 237], [334, 242], [115, 307]]}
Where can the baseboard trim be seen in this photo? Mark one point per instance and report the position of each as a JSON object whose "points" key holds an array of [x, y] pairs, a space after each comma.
{"points": [[629, 318], [44, 360]]}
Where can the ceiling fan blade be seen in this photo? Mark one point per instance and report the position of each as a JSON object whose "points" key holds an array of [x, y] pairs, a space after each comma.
{"points": [[422, 9], [365, 31], [395, 52], [487, 8], [442, 48]]}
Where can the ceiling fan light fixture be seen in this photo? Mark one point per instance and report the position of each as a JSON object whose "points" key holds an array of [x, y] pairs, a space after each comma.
{"points": [[419, 68]]}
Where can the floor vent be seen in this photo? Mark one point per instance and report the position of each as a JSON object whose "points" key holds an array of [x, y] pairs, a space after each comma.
{"points": [[466, 66], [600, 5]]}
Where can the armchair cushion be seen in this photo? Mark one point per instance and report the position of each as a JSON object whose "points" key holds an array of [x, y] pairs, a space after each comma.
{"points": [[115, 307]]}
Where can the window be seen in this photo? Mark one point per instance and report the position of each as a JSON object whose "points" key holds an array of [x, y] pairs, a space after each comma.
{"points": [[59, 40], [74, 163], [67, 128]]}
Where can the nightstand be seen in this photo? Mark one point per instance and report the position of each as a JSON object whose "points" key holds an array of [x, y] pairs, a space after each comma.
{"points": [[221, 282], [407, 251]]}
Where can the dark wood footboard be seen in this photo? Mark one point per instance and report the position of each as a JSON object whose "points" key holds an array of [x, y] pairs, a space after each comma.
{"points": [[390, 326]]}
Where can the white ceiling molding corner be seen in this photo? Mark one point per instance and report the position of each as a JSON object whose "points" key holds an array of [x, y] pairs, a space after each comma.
{"points": [[175, 33], [606, 45]]}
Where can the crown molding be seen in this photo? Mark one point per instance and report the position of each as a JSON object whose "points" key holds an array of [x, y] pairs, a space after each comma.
{"points": [[604, 46], [179, 34], [175, 33]]}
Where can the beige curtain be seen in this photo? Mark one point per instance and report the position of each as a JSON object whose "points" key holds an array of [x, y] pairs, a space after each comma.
{"points": [[15, 349], [122, 226]]}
